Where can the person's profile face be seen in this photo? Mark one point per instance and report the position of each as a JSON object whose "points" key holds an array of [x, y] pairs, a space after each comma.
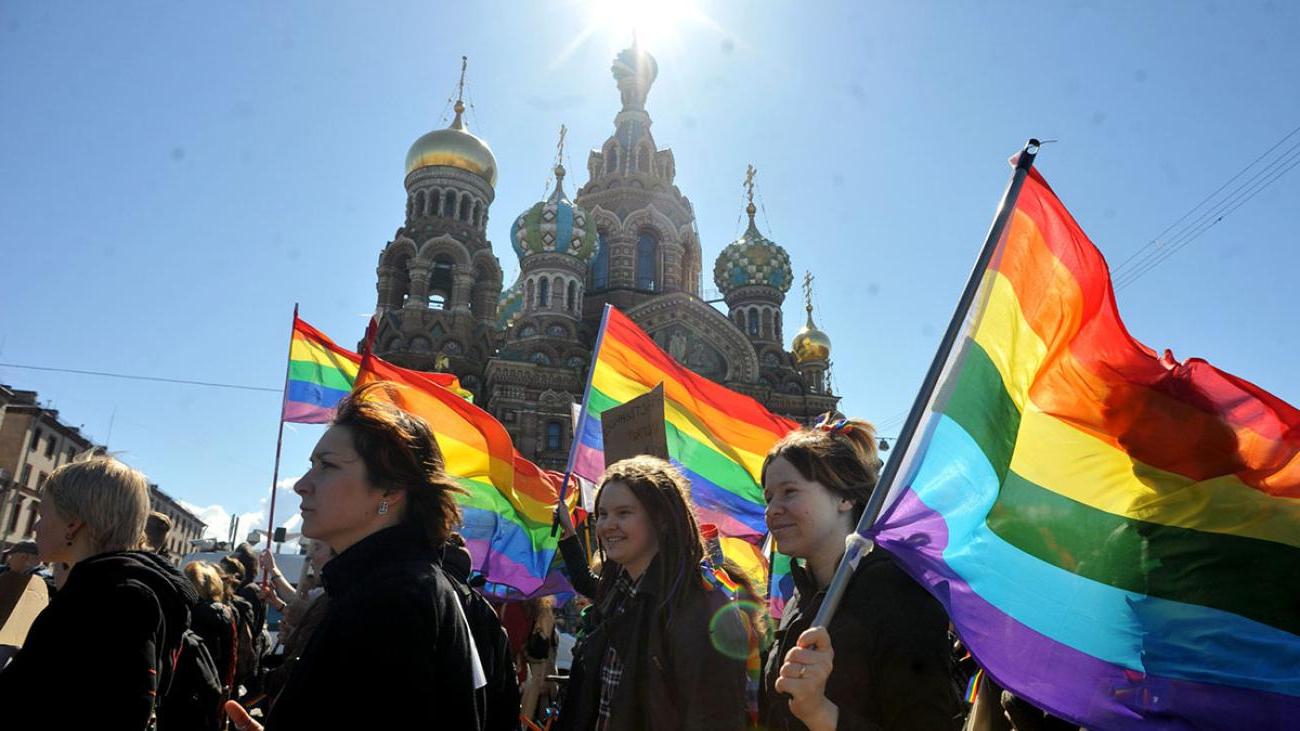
{"points": [[338, 500]]}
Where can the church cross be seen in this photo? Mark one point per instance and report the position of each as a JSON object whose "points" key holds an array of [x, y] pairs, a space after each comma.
{"points": [[460, 87]]}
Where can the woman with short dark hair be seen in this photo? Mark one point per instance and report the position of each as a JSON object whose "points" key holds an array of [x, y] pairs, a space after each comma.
{"points": [[394, 650]]}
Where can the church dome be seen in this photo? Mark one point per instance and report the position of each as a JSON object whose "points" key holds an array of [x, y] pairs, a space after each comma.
{"points": [[555, 225], [811, 344], [454, 147], [752, 260]]}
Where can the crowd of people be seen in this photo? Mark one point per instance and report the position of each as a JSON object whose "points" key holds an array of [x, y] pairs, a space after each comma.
{"points": [[386, 628]]}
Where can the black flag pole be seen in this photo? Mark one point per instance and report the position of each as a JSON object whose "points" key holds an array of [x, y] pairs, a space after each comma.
{"points": [[857, 544]]}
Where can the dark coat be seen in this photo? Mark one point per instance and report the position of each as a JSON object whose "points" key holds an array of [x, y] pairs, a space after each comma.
{"points": [[892, 653], [96, 656], [216, 624], [674, 676], [393, 652]]}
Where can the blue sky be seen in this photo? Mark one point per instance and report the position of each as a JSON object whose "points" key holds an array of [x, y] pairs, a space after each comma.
{"points": [[173, 177]]}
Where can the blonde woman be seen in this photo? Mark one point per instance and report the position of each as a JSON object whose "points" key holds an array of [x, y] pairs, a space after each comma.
{"points": [[214, 621], [103, 645]]}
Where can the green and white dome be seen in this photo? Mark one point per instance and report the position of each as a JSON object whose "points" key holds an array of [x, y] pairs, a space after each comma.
{"points": [[752, 260], [555, 225]]}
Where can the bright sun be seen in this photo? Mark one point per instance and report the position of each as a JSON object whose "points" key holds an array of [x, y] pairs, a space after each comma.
{"points": [[654, 22]]}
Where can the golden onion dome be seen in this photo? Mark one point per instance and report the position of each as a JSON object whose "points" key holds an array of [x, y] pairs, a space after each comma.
{"points": [[811, 344], [454, 147]]}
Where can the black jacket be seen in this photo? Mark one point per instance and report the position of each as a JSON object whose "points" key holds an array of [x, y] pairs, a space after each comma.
{"points": [[95, 658], [892, 653], [394, 650], [674, 676], [215, 623]]}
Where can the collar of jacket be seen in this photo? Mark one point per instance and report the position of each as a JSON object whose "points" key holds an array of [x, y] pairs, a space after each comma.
{"points": [[398, 544]]}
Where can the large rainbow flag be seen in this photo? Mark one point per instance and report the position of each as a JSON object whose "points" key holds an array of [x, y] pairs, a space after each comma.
{"points": [[717, 436], [1115, 534], [509, 501], [321, 373]]}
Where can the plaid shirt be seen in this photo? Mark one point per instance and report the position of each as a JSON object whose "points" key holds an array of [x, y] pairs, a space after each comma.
{"points": [[611, 667]]}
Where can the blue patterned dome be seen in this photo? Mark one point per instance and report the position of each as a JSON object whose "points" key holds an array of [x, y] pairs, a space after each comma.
{"points": [[510, 306], [555, 225], [752, 260]]}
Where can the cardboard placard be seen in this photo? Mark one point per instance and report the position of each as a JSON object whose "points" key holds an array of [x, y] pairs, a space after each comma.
{"points": [[636, 427]]}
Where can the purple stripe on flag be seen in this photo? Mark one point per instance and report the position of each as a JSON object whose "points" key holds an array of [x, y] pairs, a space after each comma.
{"points": [[1068, 683], [589, 463], [300, 413], [499, 568]]}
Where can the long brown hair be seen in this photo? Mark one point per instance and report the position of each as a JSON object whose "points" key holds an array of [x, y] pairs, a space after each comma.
{"points": [[838, 453], [400, 453], [666, 496]]}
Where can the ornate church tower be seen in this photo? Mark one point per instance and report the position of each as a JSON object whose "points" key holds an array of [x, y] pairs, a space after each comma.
{"points": [[753, 273], [812, 347], [438, 279], [647, 243], [539, 372]]}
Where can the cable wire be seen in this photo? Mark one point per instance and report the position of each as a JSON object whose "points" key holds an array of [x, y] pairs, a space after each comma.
{"points": [[1189, 233], [1155, 241], [130, 377]]}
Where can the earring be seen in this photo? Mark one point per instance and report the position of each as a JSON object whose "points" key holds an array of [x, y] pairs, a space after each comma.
{"points": [[383, 507], [68, 539]]}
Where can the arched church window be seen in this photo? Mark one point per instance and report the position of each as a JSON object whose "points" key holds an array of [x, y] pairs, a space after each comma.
{"points": [[449, 204], [767, 323], [740, 319], [753, 322], [647, 250], [543, 292], [540, 358], [478, 214], [554, 432], [611, 160], [600, 264], [419, 202], [464, 209], [570, 301], [531, 301], [440, 280], [643, 160], [557, 286]]}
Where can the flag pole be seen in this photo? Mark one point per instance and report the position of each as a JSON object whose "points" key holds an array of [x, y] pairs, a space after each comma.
{"points": [[582, 418], [279, 442], [857, 544]]}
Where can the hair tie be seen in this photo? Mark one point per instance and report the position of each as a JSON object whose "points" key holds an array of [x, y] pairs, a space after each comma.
{"points": [[834, 426]]}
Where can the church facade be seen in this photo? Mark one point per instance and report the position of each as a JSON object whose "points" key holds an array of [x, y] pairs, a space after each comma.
{"points": [[627, 238]]}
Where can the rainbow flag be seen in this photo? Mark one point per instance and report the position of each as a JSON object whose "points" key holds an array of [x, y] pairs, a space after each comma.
{"points": [[717, 436], [1115, 534], [509, 501], [321, 373]]}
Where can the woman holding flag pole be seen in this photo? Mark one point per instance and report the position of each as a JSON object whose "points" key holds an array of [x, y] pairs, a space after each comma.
{"points": [[890, 664]]}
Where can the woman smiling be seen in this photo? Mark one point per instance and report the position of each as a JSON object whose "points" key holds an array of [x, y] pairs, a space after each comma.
{"points": [[664, 654], [890, 665]]}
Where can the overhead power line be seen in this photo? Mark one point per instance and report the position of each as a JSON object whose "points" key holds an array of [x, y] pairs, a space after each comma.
{"points": [[131, 377], [1163, 245]]}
